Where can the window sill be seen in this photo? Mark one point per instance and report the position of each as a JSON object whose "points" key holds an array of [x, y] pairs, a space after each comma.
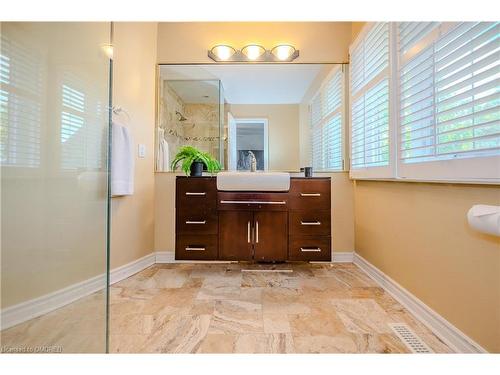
{"points": [[425, 181]]}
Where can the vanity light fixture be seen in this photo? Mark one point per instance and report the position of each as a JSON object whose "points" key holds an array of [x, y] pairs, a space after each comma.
{"points": [[283, 52], [253, 53], [222, 52]]}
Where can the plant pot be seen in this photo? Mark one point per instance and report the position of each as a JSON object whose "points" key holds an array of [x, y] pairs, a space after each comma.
{"points": [[197, 168]]}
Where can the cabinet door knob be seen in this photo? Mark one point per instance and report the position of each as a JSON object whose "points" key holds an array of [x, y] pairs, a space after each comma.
{"points": [[196, 222], [310, 194], [310, 223], [309, 249], [190, 193], [189, 248]]}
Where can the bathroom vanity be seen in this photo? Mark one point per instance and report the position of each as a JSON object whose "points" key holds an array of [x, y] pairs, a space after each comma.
{"points": [[293, 225]]}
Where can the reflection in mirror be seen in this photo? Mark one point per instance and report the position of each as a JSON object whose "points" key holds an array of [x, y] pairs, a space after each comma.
{"points": [[228, 110]]}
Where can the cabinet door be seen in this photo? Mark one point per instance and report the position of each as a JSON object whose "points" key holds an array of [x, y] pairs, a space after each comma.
{"points": [[270, 238], [235, 235]]}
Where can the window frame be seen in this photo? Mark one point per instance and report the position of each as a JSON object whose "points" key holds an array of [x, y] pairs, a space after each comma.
{"points": [[481, 169], [386, 171], [460, 169], [323, 121]]}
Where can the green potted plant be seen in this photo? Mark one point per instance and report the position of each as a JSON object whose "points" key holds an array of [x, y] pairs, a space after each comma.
{"points": [[193, 160]]}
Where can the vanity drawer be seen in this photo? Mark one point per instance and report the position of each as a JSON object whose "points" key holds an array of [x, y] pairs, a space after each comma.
{"points": [[313, 223], [196, 194], [252, 201], [309, 248], [196, 247], [197, 222], [310, 194]]}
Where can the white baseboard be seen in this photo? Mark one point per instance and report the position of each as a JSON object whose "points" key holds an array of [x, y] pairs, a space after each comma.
{"points": [[33, 308], [165, 257], [451, 335], [346, 257], [169, 257], [131, 268]]}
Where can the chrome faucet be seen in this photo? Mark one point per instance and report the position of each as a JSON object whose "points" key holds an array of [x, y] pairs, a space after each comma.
{"points": [[253, 162]]}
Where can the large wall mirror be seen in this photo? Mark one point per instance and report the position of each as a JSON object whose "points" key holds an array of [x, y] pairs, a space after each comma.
{"points": [[228, 110]]}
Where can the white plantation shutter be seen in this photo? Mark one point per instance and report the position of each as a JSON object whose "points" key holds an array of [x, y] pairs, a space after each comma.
{"points": [[327, 122], [449, 107], [370, 95]]}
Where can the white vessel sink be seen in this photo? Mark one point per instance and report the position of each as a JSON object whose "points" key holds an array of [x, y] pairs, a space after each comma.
{"points": [[253, 181]]}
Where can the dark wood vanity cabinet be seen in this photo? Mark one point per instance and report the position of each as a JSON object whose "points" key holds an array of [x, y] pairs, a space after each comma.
{"points": [[309, 219], [253, 235], [253, 226], [197, 225]]}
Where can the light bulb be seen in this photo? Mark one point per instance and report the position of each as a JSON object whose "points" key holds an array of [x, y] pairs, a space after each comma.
{"points": [[223, 52], [108, 50], [253, 52], [283, 52]]}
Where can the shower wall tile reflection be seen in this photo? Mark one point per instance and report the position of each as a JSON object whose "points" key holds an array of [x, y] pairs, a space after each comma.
{"points": [[189, 115], [54, 81]]}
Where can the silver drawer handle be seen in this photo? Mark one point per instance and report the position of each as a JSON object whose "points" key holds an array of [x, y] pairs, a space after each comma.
{"points": [[310, 223], [248, 231], [195, 248], [310, 194], [196, 222], [257, 232], [306, 249], [253, 202], [188, 193]]}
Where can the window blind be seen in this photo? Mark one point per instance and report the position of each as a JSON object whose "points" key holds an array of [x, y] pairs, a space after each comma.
{"points": [[449, 92], [326, 123], [81, 125], [369, 92], [20, 105]]}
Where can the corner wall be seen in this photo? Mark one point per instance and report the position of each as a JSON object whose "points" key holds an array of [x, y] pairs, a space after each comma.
{"points": [[134, 82]]}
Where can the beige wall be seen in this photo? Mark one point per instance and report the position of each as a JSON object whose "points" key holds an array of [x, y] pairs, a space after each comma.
{"points": [[132, 221], [165, 211], [342, 212], [283, 131], [188, 42], [356, 29], [417, 234]]}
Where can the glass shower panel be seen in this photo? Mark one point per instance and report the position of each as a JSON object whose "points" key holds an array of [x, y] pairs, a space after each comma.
{"points": [[54, 108], [189, 115]]}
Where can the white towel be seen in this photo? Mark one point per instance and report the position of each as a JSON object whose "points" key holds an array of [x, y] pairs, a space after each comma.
{"points": [[163, 159], [122, 161]]}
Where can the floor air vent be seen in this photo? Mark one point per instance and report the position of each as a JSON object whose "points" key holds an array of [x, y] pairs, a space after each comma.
{"points": [[409, 338]]}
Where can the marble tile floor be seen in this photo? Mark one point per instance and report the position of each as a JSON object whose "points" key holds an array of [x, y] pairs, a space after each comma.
{"points": [[217, 308]]}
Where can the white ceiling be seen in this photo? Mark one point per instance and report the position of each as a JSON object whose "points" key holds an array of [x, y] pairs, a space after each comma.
{"points": [[196, 91], [247, 83]]}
